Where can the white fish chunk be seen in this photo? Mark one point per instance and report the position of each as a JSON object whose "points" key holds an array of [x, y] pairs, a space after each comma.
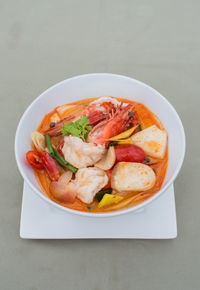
{"points": [[132, 176], [81, 154], [152, 140], [88, 182]]}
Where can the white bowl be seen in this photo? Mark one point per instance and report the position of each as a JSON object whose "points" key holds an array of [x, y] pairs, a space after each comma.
{"points": [[96, 85]]}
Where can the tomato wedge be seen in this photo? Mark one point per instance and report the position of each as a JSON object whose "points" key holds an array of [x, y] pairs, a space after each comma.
{"points": [[50, 166], [34, 159], [129, 153]]}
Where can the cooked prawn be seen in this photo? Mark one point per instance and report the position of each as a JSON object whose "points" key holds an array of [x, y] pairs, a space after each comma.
{"points": [[117, 123], [95, 112]]}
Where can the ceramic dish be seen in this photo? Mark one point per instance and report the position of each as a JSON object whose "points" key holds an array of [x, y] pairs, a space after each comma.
{"points": [[96, 85]]}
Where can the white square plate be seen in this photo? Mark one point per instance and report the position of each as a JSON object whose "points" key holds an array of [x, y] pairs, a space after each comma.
{"points": [[39, 220]]}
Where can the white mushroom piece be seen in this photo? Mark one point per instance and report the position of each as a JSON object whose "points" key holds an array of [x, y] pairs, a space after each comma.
{"points": [[131, 176], [81, 154], [152, 140], [38, 141], [108, 159]]}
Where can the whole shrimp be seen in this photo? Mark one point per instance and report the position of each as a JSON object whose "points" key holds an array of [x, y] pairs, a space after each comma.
{"points": [[96, 113], [118, 122]]}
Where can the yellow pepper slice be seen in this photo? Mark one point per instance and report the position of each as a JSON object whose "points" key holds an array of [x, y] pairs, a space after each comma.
{"points": [[123, 135], [109, 199], [126, 141]]}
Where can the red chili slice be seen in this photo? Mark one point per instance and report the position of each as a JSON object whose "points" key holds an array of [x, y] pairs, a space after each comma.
{"points": [[50, 166], [34, 159], [60, 146]]}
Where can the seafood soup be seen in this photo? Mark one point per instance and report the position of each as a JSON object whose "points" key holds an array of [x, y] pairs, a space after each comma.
{"points": [[99, 154]]}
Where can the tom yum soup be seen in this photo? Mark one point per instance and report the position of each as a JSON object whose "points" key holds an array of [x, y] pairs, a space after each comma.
{"points": [[99, 155]]}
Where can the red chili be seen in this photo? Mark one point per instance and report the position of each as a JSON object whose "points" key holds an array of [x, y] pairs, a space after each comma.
{"points": [[34, 159], [129, 153], [50, 166], [109, 173], [60, 146]]}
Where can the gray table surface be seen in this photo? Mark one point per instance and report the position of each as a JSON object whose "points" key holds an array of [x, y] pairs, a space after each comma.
{"points": [[44, 42]]}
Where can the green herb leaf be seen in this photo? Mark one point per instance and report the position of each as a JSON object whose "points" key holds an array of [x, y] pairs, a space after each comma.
{"points": [[78, 128], [99, 195], [82, 122], [113, 143], [139, 127], [89, 128], [89, 207]]}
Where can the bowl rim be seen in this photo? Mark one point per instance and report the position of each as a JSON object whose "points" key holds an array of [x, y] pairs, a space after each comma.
{"points": [[112, 213]]}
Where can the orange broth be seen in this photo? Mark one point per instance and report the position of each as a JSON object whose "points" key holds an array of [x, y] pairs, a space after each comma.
{"points": [[146, 119]]}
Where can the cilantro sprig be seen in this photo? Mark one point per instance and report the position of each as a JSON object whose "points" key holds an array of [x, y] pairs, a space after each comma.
{"points": [[80, 128]]}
